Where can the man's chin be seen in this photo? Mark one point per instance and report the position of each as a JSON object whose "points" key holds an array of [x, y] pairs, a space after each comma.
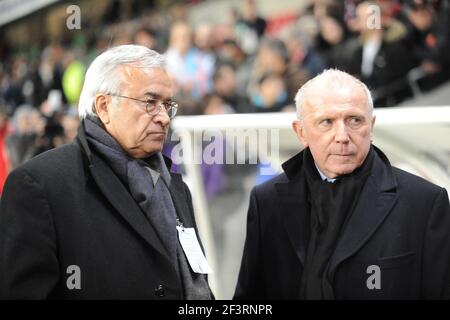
{"points": [[146, 151], [149, 153], [343, 170]]}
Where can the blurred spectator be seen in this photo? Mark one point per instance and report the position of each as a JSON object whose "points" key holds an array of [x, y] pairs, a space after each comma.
{"points": [[251, 18], [230, 52], [429, 37], [225, 87], [145, 37], [50, 71], [325, 8], [308, 25], [5, 129], [112, 12], [378, 57], [303, 53], [273, 57], [70, 122], [202, 38], [26, 141], [191, 68], [52, 112], [13, 81], [331, 41], [250, 27], [214, 104], [271, 95]]}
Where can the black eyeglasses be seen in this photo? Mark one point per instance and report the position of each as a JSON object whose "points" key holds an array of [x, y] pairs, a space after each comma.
{"points": [[153, 106]]}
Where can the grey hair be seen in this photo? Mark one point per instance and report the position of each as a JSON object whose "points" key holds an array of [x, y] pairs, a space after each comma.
{"points": [[102, 75], [335, 78]]}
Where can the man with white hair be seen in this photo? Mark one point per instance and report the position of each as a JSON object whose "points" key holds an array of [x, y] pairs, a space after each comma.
{"points": [[341, 222], [98, 218]]}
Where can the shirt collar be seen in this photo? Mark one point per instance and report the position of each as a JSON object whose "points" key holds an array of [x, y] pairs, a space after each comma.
{"points": [[154, 174], [323, 176]]}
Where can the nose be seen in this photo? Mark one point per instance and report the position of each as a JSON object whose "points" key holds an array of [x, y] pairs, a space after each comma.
{"points": [[341, 134], [162, 117]]}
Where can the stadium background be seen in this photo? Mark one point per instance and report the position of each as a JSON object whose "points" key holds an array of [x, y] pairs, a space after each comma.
{"points": [[229, 58]]}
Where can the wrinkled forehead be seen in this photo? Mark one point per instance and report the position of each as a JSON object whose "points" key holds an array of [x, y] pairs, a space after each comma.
{"points": [[146, 80], [324, 97]]}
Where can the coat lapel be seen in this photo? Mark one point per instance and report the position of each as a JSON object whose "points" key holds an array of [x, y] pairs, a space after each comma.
{"points": [[122, 201], [375, 203], [292, 207], [295, 215]]}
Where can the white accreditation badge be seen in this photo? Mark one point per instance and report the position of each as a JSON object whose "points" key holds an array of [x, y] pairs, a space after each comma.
{"points": [[192, 250]]}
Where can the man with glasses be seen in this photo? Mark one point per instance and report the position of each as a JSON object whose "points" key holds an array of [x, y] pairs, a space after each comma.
{"points": [[99, 218]]}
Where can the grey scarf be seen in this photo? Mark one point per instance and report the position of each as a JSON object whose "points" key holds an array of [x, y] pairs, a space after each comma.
{"points": [[148, 182]]}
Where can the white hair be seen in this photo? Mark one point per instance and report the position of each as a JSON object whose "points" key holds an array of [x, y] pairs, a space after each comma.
{"points": [[102, 75], [333, 78]]}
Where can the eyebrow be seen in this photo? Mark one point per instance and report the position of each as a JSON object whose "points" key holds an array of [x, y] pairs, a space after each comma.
{"points": [[333, 113], [157, 96]]}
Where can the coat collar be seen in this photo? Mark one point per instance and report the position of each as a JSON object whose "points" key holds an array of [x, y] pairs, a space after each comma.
{"points": [[119, 197], [292, 167], [375, 202], [292, 207]]}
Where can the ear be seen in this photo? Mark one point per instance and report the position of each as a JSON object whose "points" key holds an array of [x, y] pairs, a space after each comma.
{"points": [[300, 132], [101, 107]]}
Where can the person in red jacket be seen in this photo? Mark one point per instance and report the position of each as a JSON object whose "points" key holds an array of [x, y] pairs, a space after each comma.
{"points": [[5, 129]]}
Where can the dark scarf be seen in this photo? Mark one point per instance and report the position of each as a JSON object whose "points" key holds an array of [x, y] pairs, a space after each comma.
{"points": [[331, 205], [154, 200]]}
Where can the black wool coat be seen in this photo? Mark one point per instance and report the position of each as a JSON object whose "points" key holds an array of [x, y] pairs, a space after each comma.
{"points": [[65, 214], [399, 233]]}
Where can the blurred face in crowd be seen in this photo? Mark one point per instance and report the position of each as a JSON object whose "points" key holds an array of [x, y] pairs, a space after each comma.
{"points": [[336, 125], [180, 37], [231, 52], [364, 16], [270, 60], [31, 122], [271, 89], [250, 9], [422, 17], [331, 30], [145, 39], [215, 105], [320, 8], [139, 133], [70, 125], [225, 82], [202, 37]]}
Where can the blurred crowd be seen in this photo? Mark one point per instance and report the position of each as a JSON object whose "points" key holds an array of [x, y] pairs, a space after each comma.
{"points": [[250, 63]]}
